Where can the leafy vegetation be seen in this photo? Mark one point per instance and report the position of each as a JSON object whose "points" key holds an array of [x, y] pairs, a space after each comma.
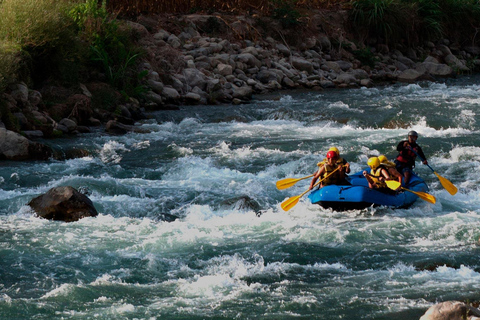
{"points": [[52, 34], [417, 20], [286, 12]]}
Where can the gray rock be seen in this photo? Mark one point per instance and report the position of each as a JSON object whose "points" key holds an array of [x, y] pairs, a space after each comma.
{"points": [[156, 86], [451, 310], [331, 65], [170, 93], [224, 69], [249, 59], [195, 78], [409, 75], [154, 97], [302, 64], [455, 63], [344, 65], [63, 204], [283, 49], [33, 134], [70, 124], [13, 146], [243, 92], [436, 69]]}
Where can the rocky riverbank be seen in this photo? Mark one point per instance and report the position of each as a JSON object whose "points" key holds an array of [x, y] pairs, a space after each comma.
{"points": [[213, 59]]}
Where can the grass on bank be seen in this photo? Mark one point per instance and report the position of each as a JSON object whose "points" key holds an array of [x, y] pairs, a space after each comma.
{"points": [[63, 40]]}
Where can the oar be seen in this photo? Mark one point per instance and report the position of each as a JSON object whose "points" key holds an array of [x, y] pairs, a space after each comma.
{"points": [[290, 182], [291, 202], [445, 182], [392, 184]]}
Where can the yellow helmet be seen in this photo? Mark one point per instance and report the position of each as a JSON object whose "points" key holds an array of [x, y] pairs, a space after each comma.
{"points": [[334, 149], [382, 158], [373, 163]]}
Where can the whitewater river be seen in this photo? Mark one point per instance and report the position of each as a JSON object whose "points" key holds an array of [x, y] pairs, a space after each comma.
{"points": [[223, 260]]}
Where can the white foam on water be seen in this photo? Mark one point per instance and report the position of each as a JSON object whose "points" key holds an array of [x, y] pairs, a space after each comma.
{"points": [[112, 152]]}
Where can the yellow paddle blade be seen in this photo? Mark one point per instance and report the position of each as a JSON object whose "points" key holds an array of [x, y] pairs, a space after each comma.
{"points": [[392, 184], [447, 184], [289, 182], [290, 202], [423, 195]]}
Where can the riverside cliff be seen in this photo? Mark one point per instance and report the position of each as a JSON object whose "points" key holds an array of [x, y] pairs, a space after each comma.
{"points": [[221, 59]]}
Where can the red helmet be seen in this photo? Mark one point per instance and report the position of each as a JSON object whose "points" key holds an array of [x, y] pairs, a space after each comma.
{"points": [[331, 154]]}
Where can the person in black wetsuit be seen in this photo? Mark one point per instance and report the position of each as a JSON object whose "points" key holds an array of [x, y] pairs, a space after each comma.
{"points": [[407, 153]]}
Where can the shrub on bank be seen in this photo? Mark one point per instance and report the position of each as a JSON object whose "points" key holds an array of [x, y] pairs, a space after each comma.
{"points": [[64, 41], [413, 21]]}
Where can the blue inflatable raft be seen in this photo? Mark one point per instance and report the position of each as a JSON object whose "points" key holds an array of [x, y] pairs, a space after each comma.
{"points": [[359, 196]]}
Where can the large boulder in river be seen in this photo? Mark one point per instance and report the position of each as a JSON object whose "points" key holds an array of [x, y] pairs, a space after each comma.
{"points": [[451, 310], [63, 204]]}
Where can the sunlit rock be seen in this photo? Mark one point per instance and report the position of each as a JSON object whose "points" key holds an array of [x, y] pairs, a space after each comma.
{"points": [[63, 204]]}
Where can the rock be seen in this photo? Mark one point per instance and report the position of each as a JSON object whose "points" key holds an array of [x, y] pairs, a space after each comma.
{"points": [[451, 310], [283, 50], [170, 94], [243, 92], [455, 63], [69, 124], [241, 203], [224, 69], [116, 127], [436, 69], [156, 86], [302, 64], [63, 204], [194, 78], [249, 59], [13, 146], [409, 75], [344, 65], [33, 134]]}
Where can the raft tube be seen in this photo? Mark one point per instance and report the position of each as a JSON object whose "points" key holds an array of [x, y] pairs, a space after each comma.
{"points": [[359, 196]]}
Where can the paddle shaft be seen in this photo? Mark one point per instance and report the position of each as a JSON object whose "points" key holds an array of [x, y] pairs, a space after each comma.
{"points": [[290, 182], [291, 202], [450, 187]]}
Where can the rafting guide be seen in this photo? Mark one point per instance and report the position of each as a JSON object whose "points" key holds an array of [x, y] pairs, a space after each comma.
{"points": [[407, 153]]}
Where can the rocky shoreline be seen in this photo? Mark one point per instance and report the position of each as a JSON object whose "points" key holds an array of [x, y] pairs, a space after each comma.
{"points": [[186, 65]]}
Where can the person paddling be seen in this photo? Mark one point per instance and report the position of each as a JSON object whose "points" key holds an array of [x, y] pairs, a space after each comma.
{"points": [[339, 160], [390, 166], [330, 171], [407, 153], [377, 176]]}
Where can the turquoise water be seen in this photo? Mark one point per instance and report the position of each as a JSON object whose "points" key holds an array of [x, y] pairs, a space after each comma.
{"points": [[223, 261]]}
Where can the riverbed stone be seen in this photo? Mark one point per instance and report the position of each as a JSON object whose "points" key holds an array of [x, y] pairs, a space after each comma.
{"points": [[63, 204], [451, 310]]}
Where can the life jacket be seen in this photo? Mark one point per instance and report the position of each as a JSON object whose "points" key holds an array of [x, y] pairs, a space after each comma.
{"points": [[388, 164], [407, 156], [329, 177], [339, 161], [376, 174]]}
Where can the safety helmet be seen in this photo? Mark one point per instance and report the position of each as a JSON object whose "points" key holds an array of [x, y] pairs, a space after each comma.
{"points": [[334, 149], [413, 133], [373, 162], [382, 158], [331, 155]]}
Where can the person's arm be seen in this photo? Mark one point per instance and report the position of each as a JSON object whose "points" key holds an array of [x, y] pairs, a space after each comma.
{"points": [[371, 183], [401, 145], [422, 155], [315, 177], [347, 166]]}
